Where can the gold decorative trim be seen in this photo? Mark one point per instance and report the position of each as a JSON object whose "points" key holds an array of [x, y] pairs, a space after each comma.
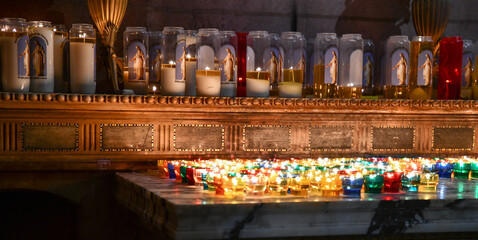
{"points": [[364, 104], [331, 149], [127, 149], [268, 149], [199, 150], [394, 149], [453, 149], [51, 150]]}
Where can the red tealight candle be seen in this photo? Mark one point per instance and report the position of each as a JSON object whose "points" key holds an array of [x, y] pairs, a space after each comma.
{"points": [[190, 175], [392, 182]]}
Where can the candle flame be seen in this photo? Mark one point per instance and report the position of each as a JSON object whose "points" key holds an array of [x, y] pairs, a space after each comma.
{"points": [[206, 68], [258, 69], [171, 62], [188, 56]]}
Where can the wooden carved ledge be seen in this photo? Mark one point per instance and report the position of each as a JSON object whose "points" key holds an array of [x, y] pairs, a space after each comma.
{"points": [[76, 131]]}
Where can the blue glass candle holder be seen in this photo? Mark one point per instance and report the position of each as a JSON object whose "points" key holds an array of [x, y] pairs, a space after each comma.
{"points": [[444, 169], [204, 182], [352, 186], [171, 173]]}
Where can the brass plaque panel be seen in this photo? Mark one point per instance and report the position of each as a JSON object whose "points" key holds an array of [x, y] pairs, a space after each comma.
{"points": [[266, 138], [198, 138], [49, 137], [126, 137], [393, 138], [325, 138], [453, 138]]}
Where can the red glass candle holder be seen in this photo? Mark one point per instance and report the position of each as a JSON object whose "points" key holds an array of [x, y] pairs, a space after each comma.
{"points": [[392, 182], [241, 63], [450, 63], [190, 176]]}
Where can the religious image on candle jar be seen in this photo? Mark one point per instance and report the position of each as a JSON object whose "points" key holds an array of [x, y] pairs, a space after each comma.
{"points": [[400, 67], [332, 61], [425, 67], [24, 57], [368, 63], [137, 62], [156, 58], [467, 69], [38, 56]]}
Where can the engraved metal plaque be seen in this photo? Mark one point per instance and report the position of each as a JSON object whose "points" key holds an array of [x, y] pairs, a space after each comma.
{"points": [[266, 138], [198, 138], [331, 138], [393, 138], [453, 138], [126, 137], [49, 137]]}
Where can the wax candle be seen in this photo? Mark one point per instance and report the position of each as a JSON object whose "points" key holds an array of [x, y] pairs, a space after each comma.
{"points": [[410, 181], [60, 42], [15, 55], [258, 83], [173, 76], [397, 57], [208, 83], [82, 59], [373, 183], [428, 182], [350, 66], [451, 52], [461, 170], [292, 65], [352, 185], [326, 63], [291, 87], [42, 54], [191, 67], [169, 85], [392, 182]]}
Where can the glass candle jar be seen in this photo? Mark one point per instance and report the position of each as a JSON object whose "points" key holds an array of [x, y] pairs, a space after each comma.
{"points": [[241, 64], [171, 172], [262, 63], [42, 75], [82, 59], [350, 66], [293, 65], [352, 185], [177, 171], [155, 54], [397, 58], [326, 63], [255, 185], [410, 181], [198, 173], [316, 183], [234, 186], [392, 182], [461, 170], [331, 185], [368, 80], [210, 181], [468, 63], [204, 179], [373, 183], [275, 76], [428, 182], [190, 38], [219, 180], [444, 169], [208, 74], [300, 184], [227, 62], [61, 52], [15, 55], [190, 176], [278, 184], [474, 170], [173, 69], [184, 176], [421, 68], [136, 74], [450, 66]]}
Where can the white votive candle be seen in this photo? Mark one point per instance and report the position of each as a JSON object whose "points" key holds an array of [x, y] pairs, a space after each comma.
{"points": [[82, 65], [208, 83]]}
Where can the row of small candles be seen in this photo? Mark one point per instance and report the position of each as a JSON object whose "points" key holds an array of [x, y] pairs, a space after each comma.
{"points": [[318, 177]]}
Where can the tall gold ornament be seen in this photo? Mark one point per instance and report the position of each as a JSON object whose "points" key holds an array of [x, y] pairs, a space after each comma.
{"points": [[430, 18], [108, 15]]}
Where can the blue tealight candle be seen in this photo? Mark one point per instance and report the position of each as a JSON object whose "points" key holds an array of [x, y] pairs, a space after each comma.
{"points": [[444, 169], [352, 186], [171, 170]]}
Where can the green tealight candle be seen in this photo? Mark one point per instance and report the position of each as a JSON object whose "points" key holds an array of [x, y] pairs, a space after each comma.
{"points": [[373, 183], [461, 170], [474, 170]]}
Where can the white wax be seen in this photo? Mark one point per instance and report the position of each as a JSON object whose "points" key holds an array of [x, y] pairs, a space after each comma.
{"points": [[45, 84], [9, 54], [290, 90], [356, 68], [228, 89], [191, 78], [257, 87], [170, 86], [61, 85], [138, 87], [208, 86], [82, 67]]}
